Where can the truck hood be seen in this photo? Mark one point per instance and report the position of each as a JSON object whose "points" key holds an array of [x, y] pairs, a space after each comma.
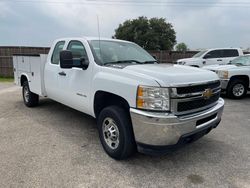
{"points": [[172, 75], [189, 59], [220, 67]]}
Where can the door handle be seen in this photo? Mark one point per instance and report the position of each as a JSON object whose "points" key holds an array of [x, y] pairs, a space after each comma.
{"points": [[219, 59], [62, 73]]}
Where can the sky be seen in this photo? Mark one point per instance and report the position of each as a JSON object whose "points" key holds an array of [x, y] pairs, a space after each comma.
{"points": [[198, 23]]}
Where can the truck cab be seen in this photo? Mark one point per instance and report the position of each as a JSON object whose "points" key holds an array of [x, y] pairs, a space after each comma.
{"points": [[139, 105], [216, 56]]}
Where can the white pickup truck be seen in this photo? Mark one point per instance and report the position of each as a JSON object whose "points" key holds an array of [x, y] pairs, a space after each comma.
{"points": [[215, 56], [235, 76], [139, 104]]}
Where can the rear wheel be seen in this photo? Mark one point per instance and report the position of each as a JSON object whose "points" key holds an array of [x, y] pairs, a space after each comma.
{"points": [[30, 99], [236, 89], [115, 132]]}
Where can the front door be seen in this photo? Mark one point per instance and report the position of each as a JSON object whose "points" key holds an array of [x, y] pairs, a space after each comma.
{"points": [[214, 57], [75, 83]]}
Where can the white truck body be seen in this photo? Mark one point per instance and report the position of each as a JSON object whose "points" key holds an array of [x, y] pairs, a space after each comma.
{"points": [[234, 73], [80, 90], [215, 56], [32, 66]]}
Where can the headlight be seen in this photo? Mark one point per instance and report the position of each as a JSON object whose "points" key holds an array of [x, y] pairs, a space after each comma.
{"points": [[153, 98], [223, 74]]}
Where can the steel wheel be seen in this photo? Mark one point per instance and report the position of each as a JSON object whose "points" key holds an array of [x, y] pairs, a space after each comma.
{"points": [[116, 133], [110, 133], [238, 90], [26, 93], [30, 99]]}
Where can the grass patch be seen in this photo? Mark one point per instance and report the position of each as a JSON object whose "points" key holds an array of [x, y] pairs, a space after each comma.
{"points": [[4, 79]]}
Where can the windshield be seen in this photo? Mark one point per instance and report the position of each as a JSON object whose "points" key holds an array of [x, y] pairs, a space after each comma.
{"points": [[200, 53], [112, 52], [241, 61]]}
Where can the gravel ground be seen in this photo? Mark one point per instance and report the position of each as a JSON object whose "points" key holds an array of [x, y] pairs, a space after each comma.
{"points": [[55, 146]]}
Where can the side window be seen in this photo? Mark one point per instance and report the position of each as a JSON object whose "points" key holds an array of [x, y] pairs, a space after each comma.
{"points": [[213, 54], [77, 49], [56, 53], [230, 53]]}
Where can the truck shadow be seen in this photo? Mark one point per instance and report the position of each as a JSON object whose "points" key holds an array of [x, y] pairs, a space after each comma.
{"points": [[193, 161], [82, 130], [196, 163]]}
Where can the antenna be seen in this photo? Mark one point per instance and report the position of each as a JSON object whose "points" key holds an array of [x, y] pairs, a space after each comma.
{"points": [[99, 36]]}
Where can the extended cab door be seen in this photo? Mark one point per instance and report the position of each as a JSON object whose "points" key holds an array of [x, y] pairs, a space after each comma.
{"points": [[51, 71], [213, 57], [75, 83]]}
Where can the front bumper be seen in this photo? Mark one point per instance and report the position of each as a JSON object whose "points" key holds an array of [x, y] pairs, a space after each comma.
{"points": [[224, 83], [165, 129]]}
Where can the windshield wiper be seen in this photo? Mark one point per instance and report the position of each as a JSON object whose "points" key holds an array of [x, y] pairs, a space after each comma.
{"points": [[149, 62], [239, 64], [130, 61], [123, 61]]}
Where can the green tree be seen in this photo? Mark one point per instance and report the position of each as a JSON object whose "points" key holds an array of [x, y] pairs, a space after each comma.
{"points": [[181, 47], [151, 34]]}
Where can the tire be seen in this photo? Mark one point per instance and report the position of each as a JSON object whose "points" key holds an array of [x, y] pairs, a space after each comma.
{"points": [[121, 143], [30, 99], [236, 89]]}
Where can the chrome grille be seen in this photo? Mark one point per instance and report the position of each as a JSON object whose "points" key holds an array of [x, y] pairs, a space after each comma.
{"points": [[197, 88], [190, 98], [198, 103]]}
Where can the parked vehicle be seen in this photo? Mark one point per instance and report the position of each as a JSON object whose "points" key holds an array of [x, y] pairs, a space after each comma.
{"points": [[215, 56], [138, 103], [234, 76]]}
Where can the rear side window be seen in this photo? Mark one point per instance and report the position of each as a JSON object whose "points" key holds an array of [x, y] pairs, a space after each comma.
{"points": [[77, 49], [56, 53], [230, 53]]}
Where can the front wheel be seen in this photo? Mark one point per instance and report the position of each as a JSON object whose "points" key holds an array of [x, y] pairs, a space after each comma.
{"points": [[236, 89], [30, 99], [115, 132]]}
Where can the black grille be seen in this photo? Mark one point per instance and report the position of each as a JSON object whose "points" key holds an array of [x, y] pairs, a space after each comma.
{"points": [[198, 88], [199, 103]]}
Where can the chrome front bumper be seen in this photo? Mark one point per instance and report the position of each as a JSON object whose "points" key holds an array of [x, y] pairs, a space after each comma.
{"points": [[224, 83], [163, 129]]}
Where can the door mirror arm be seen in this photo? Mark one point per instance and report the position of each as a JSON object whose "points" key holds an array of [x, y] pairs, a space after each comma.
{"points": [[84, 63]]}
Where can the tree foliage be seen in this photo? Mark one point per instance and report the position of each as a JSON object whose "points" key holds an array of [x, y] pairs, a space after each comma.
{"points": [[181, 47], [151, 34]]}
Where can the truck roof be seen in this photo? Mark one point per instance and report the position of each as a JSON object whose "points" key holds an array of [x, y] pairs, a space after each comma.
{"points": [[91, 38], [230, 48]]}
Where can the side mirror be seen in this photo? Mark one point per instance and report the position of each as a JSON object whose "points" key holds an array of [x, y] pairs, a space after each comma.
{"points": [[66, 59]]}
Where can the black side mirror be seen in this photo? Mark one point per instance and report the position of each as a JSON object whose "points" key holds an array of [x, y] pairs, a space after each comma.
{"points": [[66, 59]]}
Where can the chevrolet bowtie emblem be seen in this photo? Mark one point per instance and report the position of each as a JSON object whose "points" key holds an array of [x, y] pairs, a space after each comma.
{"points": [[207, 93]]}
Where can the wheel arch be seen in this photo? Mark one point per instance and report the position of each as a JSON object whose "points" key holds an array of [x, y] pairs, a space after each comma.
{"points": [[103, 99], [244, 78], [23, 78]]}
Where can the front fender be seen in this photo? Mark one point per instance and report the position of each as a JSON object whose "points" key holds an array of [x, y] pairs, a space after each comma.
{"points": [[119, 85]]}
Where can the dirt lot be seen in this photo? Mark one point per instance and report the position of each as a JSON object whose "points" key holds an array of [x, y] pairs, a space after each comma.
{"points": [[55, 146]]}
